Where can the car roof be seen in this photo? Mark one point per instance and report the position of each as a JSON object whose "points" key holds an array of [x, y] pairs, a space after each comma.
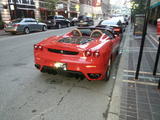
{"points": [[56, 16]]}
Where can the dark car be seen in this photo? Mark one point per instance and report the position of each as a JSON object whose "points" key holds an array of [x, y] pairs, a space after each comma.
{"points": [[85, 21], [116, 24], [57, 21], [24, 25]]}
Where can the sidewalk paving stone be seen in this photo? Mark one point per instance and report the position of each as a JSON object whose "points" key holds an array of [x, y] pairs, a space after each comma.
{"points": [[138, 99]]}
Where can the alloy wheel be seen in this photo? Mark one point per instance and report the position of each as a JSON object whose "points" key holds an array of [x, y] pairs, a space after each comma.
{"points": [[26, 31]]}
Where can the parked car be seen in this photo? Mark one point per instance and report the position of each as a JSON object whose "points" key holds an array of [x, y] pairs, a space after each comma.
{"points": [[74, 21], [78, 53], [57, 21], [123, 20], [116, 24], [24, 25], [85, 21]]}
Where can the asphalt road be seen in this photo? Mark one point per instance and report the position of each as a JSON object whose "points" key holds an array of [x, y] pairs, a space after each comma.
{"points": [[27, 94]]}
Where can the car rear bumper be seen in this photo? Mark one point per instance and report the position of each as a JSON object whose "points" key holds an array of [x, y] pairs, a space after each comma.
{"points": [[90, 70], [10, 30]]}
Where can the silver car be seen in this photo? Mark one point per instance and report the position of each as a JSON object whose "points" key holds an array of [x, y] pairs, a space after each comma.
{"points": [[24, 25]]}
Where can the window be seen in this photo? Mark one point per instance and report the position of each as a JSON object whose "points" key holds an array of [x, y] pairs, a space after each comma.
{"points": [[17, 21], [33, 20], [108, 22], [60, 17]]}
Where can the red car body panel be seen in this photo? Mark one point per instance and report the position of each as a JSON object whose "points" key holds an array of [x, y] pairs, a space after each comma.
{"points": [[79, 62]]}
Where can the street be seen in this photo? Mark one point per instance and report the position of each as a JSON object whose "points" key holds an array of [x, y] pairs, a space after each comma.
{"points": [[27, 94], [110, 48]]}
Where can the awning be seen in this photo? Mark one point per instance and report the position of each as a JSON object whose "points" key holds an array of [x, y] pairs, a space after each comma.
{"points": [[155, 5]]}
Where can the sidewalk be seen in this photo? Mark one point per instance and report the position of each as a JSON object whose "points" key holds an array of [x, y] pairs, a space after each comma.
{"points": [[136, 99]]}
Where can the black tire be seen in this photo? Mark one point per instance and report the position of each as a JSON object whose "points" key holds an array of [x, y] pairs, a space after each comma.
{"points": [[44, 28], [26, 30], [59, 26], [108, 72], [117, 52], [13, 33]]}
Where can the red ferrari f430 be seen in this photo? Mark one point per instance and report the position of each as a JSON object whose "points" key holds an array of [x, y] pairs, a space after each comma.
{"points": [[85, 52]]}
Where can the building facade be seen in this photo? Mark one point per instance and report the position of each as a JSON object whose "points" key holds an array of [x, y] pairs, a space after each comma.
{"points": [[154, 11], [92, 8], [106, 8], [67, 8], [11, 9]]}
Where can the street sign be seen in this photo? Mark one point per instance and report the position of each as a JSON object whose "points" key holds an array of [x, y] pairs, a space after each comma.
{"points": [[158, 27]]}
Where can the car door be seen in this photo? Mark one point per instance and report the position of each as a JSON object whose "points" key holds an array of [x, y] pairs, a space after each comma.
{"points": [[36, 27], [28, 23], [65, 21], [62, 21]]}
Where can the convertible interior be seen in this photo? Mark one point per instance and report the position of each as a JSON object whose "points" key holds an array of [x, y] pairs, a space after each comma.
{"points": [[92, 32]]}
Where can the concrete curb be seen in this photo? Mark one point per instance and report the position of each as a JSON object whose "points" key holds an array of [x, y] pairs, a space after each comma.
{"points": [[114, 109]]}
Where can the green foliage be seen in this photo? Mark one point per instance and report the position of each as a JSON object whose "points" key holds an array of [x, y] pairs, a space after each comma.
{"points": [[138, 6], [51, 4]]}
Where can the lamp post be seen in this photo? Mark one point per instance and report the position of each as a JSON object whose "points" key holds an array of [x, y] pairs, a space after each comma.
{"points": [[68, 8], [143, 38]]}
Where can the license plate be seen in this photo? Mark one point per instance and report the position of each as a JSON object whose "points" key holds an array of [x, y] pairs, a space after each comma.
{"points": [[60, 65]]}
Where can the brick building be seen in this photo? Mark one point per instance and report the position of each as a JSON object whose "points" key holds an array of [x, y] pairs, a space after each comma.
{"points": [[9, 9]]}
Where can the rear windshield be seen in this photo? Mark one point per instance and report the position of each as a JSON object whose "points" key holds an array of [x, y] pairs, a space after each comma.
{"points": [[108, 22], [16, 21], [76, 40], [82, 17]]}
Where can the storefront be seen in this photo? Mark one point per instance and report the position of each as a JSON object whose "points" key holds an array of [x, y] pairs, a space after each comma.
{"points": [[154, 12], [65, 8], [21, 8]]}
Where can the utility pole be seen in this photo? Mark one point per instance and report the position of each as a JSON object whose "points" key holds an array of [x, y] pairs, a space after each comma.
{"points": [[68, 8], [143, 38]]}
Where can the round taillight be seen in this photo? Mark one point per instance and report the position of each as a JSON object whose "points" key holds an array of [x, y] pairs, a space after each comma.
{"points": [[40, 47], [96, 54], [88, 53], [35, 46]]}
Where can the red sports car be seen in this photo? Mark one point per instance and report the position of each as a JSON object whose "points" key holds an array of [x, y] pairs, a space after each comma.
{"points": [[85, 52]]}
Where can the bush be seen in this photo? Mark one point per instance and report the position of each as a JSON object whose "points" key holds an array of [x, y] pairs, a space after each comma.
{"points": [[1, 24]]}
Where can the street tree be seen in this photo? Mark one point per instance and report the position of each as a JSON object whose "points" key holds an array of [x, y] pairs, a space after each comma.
{"points": [[138, 7], [51, 4]]}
